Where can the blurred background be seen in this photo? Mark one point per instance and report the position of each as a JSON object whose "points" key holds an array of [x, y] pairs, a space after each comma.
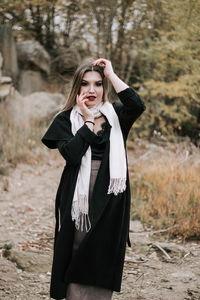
{"points": [[154, 47]]}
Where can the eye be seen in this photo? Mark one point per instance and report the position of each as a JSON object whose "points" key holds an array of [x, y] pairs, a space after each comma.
{"points": [[99, 83], [83, 83]]}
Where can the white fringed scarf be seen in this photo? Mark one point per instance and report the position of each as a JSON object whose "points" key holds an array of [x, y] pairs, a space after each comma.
{"points": [[117, 164]]}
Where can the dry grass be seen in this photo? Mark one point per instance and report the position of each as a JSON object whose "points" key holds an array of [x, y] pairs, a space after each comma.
{"points": [[17, 142], [166, 189]]}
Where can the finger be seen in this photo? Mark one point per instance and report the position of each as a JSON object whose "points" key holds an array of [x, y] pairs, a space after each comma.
{"points": [[81, 96], [99, 61], [84, 106], [81, 101], [78, 99], [82, 93]]}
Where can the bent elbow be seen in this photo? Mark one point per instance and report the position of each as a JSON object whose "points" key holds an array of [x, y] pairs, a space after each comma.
{"points": [[71, 158]]}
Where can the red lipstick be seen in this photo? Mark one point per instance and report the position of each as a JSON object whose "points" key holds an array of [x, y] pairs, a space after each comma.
{"points": [[91, 98]]}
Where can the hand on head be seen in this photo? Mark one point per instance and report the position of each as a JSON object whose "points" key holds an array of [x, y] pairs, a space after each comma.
{"points": [[106, 65]]}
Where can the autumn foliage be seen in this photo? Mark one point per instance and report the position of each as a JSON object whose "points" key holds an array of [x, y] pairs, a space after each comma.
{"points": [[154, 46]]}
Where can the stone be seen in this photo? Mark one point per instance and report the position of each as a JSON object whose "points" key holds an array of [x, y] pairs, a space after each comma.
{"points": [[136, 226], [37, 106], [15, 108], [30, 82], [5, 87], [30, 261], [172, 248], [9, 52], [1, 63], [153, 256], [5, 82], [66, 60], [43, 105], [183, 276], [32, 55], [8, 271]]}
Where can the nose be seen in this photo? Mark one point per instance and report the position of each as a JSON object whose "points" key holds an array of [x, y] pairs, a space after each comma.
{"points": [[91, 88]]}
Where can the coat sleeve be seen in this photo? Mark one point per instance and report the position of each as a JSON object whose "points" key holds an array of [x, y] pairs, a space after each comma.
{"points": [[72, 147], [130, 108]]}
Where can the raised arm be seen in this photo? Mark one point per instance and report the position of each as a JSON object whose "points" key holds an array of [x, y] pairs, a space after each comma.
{"points": [[131, 106]]}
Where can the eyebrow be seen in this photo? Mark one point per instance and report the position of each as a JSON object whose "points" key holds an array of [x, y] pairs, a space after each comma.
{"points": [[95, 81]]}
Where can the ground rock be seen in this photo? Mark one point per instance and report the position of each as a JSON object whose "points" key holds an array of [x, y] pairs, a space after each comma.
{"points": [[139, 241], [136, 226], [138, 235], [153, 256], [184, 276], [30, 261], [7, 271], [172, 248]]}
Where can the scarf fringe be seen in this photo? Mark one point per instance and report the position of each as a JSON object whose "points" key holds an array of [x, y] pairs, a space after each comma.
{"points": [[117, 185], [80, 213], [82, 223]]}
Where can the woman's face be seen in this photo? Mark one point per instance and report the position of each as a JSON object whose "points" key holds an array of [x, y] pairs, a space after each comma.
{"points": [[92, 85]]}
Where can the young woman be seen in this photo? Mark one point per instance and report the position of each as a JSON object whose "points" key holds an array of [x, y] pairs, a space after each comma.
{"points": [[93, 197]]}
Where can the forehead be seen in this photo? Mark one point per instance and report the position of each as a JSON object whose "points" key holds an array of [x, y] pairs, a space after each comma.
{"points": [[92, 76]]}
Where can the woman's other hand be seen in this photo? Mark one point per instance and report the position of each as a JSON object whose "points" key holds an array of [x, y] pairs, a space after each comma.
{"points": [[87, 114]]}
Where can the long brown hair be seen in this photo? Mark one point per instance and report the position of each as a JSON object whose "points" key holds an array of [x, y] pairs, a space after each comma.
{"points": [[77, 79]]}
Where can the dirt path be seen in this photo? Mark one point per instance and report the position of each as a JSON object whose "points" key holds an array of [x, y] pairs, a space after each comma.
{"points": [[27, 226]]}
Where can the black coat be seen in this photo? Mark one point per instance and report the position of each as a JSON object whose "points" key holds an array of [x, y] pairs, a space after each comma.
{"points": [[100, 257]]}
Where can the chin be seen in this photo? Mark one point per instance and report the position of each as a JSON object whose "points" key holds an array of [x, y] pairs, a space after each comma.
{"points": [[90, 104]]}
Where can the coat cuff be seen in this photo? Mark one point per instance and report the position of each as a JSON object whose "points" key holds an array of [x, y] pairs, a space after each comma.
{"points": [[86, 134], [129, 97], [127, 93]]}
